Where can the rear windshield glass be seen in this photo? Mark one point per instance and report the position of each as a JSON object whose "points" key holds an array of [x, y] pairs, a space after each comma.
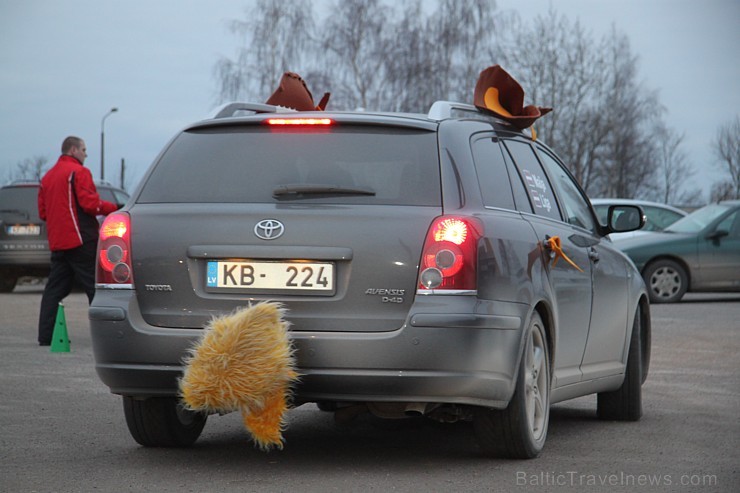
{"points": [[337, 165], [18, 203]]}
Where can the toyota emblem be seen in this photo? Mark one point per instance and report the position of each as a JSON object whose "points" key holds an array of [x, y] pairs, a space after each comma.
{"points": [[269, 229]]}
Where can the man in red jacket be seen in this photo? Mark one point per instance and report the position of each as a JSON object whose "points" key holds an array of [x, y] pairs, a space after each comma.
{"points": [[69, 203]]}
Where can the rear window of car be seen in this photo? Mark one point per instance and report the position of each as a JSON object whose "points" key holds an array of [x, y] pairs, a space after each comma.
{"points": [[248, 163], [111, 195], [658, 219], [19, 203]]}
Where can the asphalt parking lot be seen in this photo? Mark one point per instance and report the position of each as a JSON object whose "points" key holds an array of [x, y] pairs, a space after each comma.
{"points": [[63, 431]]}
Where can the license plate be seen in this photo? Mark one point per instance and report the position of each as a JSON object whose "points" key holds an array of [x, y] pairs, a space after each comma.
{"points": [[271, 277], [24, 230]]}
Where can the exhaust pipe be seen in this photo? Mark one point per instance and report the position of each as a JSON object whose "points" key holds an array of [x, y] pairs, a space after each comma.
{"points": [[417, 409]]}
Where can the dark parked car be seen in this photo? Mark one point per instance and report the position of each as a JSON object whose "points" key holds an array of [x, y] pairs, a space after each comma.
{"points": [[24, 250], [700, 252], [441, 264]]}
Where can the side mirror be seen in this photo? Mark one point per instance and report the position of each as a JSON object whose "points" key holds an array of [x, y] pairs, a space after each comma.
{"points": [[625, 218]]}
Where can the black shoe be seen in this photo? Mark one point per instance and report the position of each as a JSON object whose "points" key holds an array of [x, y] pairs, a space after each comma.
{"points": [[44, 344]]}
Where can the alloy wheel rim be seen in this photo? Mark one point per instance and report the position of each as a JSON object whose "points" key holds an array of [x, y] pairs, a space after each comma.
{"points": [[665, 282], [536, 384]]}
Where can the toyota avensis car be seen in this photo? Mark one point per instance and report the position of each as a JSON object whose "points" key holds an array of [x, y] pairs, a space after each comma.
{"points": [[442, 264], [24, 249]]}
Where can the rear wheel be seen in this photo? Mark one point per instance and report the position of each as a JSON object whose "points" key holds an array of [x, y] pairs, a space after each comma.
{"points": [[7, 282], [666, 281], [519, 431], [625, 403], [162, 422]]}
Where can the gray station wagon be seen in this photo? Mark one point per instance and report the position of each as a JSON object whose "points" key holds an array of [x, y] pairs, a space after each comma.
{"points": [[443, 265]]}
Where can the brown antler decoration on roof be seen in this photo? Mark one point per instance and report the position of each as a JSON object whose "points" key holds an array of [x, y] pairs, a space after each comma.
{"points": [[293, 93], [499, 93]]}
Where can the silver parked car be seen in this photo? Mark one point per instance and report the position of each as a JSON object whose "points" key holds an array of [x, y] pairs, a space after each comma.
{"points": [[441, 264], [657, 216]]}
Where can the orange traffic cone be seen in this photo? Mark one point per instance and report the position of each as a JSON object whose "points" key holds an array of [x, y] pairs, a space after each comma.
{"points": [[60, 339]]}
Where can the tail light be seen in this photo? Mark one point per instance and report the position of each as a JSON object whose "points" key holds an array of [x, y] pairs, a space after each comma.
{"points": [[114, 251], [450, 256]]}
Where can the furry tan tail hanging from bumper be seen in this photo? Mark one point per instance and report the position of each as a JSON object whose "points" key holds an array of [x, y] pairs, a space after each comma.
{"points": [[244, 361]]}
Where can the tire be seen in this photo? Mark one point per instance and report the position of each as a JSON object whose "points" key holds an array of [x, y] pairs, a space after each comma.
{"points": [[666, 281], [7, 283], [327, 406], [625, 403], [520, 430], [162, 422]]}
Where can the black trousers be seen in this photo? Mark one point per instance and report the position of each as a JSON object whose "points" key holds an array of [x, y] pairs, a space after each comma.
{"points": [[66, 267]]}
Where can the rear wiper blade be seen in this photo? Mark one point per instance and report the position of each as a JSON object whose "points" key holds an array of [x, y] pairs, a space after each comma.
{"points": [[14, 211], [285, 191]]}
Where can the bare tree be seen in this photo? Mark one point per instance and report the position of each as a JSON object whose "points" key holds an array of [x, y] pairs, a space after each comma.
{"points": [[568, 72], [722, 190], [603, 117], [409, 62], [355, 40], [383, 58], [674, 171], [727, 149], [277, 36], [438, 54], [32, 168], [461, 34]]}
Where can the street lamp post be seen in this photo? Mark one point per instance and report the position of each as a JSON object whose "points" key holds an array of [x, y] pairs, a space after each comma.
{"points": [[102, 142]]}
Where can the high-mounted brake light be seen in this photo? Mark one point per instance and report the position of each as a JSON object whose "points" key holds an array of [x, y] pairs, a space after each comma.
{"points": [[114, 251], [299, 121], [450, 256]]}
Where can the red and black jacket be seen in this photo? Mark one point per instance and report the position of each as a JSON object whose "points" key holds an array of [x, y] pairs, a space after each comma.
{"points": [[69, 203]]}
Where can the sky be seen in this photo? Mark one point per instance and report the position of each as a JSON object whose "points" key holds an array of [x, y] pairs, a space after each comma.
{"points": [[65, 63]]}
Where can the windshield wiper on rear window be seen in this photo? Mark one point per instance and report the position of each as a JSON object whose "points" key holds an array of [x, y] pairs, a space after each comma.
{"points": [[298, 190], [14, 211]]}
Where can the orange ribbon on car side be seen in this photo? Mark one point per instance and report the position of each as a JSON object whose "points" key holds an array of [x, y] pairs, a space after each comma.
{"points": [[555, 245]]}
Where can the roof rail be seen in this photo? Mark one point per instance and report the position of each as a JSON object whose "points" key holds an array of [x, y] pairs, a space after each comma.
{"points": [[230, 109], [442, 110], [445, 110]]}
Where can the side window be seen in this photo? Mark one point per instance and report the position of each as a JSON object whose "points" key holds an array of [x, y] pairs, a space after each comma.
{"points": [[106, 194], [121, 198], [521, 197], [493, 178], [577, 211], [536, 183], [601, 211], [659, 219], [731, 224]]}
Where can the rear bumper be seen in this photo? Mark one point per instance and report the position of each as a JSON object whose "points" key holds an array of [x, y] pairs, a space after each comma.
{"points": [[437, 356], [18, 260]]}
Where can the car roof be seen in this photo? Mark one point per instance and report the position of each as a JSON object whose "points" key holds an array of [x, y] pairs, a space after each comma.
{"points": [[606, 201], [252, 113], [35, 183]]}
